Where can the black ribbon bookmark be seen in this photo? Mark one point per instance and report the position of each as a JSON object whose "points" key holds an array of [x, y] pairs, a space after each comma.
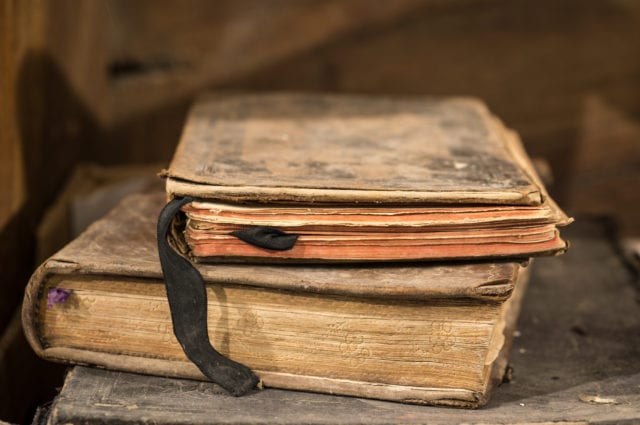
{"points": [[188, 304], [267, 237]]}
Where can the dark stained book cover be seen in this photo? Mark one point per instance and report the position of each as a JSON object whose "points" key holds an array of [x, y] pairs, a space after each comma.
{"points": [[347, 148]]}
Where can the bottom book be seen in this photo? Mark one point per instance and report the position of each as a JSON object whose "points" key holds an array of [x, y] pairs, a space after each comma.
{"points": [[416, 333]]}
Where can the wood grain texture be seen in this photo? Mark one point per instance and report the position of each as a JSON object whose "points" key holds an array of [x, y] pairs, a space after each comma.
{"points": [[572, 345], [22, 32], [42, 122], [178, 51], [21, 29]]}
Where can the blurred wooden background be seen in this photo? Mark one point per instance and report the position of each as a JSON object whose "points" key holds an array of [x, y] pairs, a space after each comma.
{"points": [[110, 81]]}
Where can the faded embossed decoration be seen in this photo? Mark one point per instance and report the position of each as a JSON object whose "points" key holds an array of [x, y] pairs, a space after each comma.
{"points": [[352, 345], [250, 323], [441, 338]]}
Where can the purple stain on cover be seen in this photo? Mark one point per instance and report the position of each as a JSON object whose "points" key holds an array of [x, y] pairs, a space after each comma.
{"points": [[57, 295]]}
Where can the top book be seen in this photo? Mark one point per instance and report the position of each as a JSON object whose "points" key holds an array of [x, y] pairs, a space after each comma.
{"points": [[336, 148], [439, 177]]}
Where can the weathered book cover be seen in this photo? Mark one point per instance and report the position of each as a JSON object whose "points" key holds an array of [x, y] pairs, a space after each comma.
{"points": [[358, 178], [432, 334], [338, 148]]}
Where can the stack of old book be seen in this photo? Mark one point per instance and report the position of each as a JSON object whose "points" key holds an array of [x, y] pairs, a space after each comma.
{"points": [[375, 247]]}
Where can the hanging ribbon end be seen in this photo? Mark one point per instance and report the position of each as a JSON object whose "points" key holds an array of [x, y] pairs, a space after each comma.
{"points": [[234, 377]]}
